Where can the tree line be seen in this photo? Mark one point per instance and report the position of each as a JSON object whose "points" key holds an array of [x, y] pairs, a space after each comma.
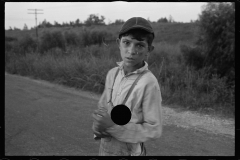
{"points": [[93, 19]]}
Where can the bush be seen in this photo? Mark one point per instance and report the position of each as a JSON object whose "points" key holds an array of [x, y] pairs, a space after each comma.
{"points": [[10, 42], [50, 40], [93, 37], [182, 77], [192, 56], [10, 39], [71, 38], [222, 92], [195, 91], [217, 38], [8, 46], [27, 44]]}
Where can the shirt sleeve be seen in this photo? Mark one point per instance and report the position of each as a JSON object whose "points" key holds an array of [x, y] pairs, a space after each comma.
{"points": [[151, 127], [102, 103]]}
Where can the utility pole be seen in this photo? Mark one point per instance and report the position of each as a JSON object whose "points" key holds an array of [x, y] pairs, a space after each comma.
{"points": [[36, 13]]}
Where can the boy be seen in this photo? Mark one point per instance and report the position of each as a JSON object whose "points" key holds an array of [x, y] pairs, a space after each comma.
{"points": [[135, 43]]}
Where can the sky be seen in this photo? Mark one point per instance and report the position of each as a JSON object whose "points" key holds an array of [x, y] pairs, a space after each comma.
{"points": [[16, 13]]}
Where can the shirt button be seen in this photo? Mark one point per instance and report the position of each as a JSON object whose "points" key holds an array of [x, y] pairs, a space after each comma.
{"points": [[118, 93]]}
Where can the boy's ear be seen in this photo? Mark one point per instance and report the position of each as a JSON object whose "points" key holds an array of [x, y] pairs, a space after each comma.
{"points": [[118, 41], [150, 48]]}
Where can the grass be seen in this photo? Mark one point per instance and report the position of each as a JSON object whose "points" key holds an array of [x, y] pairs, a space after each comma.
{"points": [[164, 32], [86, 68]]}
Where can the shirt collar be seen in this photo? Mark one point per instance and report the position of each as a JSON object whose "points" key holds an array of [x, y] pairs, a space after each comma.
{"points": [[140, 70]]}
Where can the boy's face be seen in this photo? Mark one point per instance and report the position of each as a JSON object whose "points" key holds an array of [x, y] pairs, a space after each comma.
{"points": [[133, 51]]}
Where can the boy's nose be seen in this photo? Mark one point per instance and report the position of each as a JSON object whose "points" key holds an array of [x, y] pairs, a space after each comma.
{"points": [[132, 50]]}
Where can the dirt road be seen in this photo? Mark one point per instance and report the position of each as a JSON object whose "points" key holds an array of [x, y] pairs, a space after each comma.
{"points": [[48, 119]]}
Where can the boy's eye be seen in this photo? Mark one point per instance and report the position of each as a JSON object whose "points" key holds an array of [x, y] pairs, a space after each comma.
{"points": [[126, 42], [140, 46]]}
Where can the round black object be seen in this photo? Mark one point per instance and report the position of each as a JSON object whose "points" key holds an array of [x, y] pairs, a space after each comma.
{"points": [[121, 114]]}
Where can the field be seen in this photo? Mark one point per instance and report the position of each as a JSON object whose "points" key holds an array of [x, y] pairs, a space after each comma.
{"points": [[76, 57]]}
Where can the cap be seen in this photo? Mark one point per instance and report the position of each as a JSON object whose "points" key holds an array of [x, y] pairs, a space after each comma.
{"points": [[136, 22]]}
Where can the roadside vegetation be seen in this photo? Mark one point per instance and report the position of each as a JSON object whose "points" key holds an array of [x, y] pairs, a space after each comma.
{"points": [[193, 62]]}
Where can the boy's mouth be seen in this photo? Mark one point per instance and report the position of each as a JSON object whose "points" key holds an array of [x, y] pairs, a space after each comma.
{"points": [[129, 58]]}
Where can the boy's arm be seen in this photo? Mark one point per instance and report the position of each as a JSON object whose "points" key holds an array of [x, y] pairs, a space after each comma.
{"points": [[102, 103], [152, 120]]}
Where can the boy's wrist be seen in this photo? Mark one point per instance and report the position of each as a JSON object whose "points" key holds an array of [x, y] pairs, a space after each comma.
{"points": [[111, 127]]}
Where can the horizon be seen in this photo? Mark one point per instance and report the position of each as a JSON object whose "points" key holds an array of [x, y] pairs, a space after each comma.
{"points": [[16, 13]]}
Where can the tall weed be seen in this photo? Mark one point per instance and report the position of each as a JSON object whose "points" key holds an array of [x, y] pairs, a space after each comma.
{"points": [[27, 44], [93, 37], [67, 62], [72, 39], [50, 40]]}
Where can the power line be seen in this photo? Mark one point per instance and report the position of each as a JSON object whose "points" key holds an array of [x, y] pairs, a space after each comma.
{"points": [[36, 13]]}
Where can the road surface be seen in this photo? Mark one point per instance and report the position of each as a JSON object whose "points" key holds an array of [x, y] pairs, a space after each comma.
{"points": [[49, 119]]}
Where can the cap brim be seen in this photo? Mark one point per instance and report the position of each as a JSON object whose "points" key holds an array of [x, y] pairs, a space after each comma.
{"points": [[136, 27]]}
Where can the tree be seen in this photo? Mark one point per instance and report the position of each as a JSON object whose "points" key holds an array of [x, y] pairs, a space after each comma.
{"points": [[170, 19], [64, 24], [25, 27], [78, 23], [95, 20], [45, 24], [56, 24], [72, 23], [16, 29], [118, 22], [163, 20], [217, 30]]}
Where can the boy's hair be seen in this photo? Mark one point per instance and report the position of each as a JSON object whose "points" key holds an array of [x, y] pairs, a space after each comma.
{"points": [[140, 35]]}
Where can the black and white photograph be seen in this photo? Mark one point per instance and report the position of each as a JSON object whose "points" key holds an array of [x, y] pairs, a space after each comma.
{"points": [[119, 79]]}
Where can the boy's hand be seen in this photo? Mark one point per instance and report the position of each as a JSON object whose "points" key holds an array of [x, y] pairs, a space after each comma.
{"points": [[97, 128], [103, 119], [102, 134]]}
